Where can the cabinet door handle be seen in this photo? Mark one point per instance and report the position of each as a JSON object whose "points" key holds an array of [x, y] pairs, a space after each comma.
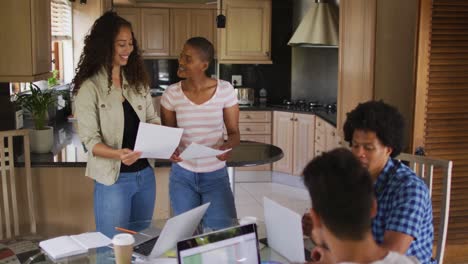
{"points": [[292, 119], [333, 133], [267, 53], [295, 119], [247, 117], [318, 137], [247, 129]]}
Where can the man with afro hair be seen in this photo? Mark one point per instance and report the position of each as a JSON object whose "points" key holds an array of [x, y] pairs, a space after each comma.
{"points": [[404, 217]]}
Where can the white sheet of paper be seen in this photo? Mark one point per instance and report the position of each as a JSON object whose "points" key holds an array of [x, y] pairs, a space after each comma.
{"points": [[156, 141], [197, 151], [286, 241]]}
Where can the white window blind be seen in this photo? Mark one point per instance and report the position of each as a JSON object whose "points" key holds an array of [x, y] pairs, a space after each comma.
{"points": [[61, 19]]}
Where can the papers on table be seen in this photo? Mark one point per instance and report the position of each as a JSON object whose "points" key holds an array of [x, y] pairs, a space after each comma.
{"points": [[197, 151], [65, 246], [156, 141]]}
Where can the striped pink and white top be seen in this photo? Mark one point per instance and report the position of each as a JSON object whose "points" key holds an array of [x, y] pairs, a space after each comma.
{"points": [[202, 124]]}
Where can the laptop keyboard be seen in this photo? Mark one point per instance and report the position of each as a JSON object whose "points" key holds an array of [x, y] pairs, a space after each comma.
{"points": [[145, 248]]}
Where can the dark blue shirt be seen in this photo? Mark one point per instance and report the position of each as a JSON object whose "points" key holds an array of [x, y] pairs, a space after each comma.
{"points": [[404, 206]]}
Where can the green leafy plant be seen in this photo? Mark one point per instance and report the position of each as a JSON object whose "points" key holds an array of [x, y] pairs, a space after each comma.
{"points": [[52, 81], [38, 102]]}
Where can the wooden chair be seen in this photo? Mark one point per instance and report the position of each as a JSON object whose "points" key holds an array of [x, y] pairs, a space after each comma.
{"points": [[10, 221], [424, 168]]}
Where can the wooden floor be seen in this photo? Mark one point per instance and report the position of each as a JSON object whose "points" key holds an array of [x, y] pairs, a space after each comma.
{"points": [[456, 254]]}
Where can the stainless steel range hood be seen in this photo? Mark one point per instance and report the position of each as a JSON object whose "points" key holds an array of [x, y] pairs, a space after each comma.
{"points": [[318, 28]]}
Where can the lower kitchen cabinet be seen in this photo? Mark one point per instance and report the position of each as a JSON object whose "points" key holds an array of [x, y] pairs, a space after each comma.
{"points": [[295, 134], [255, 126], [326, 137]]}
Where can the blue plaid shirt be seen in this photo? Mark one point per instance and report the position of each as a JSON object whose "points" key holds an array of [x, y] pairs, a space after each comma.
{"points": [[404, 206]]}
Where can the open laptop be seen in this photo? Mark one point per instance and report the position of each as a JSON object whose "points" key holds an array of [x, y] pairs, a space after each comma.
{"points": [[284, 231], [237, 244], [175, 229]]}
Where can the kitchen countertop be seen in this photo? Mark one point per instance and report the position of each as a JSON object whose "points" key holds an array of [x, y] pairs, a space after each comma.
{"points": [[68, 151], [330, 117]]}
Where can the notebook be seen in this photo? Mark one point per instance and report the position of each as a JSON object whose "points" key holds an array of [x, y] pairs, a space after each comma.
{"points": [[65, 246], [237, 244], [284, 231], [175, 229]]}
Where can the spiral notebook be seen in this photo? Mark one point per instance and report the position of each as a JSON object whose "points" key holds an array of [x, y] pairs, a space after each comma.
{"points": [[65, 246]]}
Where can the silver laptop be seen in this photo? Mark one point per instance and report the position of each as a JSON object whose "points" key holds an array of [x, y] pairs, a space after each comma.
{"points": [[175, 229]]}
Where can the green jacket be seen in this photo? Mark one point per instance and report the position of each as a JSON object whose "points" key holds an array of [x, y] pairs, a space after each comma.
{"points": [[101, 120]]}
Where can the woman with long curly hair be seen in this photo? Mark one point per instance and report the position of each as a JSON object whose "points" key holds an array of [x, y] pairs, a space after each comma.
{"points": [[112, 98]]}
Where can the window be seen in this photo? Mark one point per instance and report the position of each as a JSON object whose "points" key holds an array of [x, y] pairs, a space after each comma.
{"points": [[61, 29]]}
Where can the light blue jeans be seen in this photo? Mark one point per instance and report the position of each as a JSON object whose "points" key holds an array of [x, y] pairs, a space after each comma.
{"points": [[130, 199], [188, 189]]}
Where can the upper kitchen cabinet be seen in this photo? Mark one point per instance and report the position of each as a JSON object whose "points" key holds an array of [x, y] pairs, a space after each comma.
{"points": [[133, 16], [377, 55], [247, 36], [25, 46], [155, 31], [187, 23]]}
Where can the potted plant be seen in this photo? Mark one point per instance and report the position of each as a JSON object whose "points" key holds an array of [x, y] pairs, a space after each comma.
{"points": [[38, 103]]}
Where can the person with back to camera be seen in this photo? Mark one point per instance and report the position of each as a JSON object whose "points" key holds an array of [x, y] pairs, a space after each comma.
{"points": [[404, 217], [343, 204], [112, 98], [201, 106]]}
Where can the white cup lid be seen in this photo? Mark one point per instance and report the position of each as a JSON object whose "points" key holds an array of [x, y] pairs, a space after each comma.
{"points": [[123, 240], [248, 220]]}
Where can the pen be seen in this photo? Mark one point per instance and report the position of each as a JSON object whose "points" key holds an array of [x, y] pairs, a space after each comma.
{"points": [[130, 231]]}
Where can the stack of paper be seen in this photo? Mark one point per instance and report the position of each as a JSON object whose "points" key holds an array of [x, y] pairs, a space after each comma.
{"points": [[65, 246]]}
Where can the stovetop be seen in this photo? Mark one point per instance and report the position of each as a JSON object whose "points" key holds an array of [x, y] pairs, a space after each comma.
{"points": [[307, 106]]}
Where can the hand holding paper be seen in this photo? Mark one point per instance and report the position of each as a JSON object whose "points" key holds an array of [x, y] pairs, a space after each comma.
{"points": [[197, 151], [156, 141]]}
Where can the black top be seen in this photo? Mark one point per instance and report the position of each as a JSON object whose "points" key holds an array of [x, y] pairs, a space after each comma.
{"points": [[131, 124]]}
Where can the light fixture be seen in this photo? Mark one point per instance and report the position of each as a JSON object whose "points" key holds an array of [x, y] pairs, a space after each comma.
{"points": [[221, 19]]}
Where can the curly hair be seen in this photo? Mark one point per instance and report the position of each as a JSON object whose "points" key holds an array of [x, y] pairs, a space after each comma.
{"points": [[379, 117], [98, 53]]}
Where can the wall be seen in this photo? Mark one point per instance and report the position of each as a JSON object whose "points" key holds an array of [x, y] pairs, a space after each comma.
{"points": [[314, 71], [83, 18], [395, 49]]}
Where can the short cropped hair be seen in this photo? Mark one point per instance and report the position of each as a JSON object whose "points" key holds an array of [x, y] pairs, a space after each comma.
{"points": [[383, 119], [204, 46], [341, 192]]}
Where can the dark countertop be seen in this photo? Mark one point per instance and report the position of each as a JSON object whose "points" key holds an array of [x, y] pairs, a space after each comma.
{"points": [[68, 151], [327, 116]]}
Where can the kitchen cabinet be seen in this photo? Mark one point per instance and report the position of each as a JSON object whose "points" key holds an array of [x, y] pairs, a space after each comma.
{"points": [[25, 49], [187, 23], [132, 15], [155, 31], [295, 134], [326, 137], [247, 36], [151, 28], [255, 126], [377, 55], [162, 32]]}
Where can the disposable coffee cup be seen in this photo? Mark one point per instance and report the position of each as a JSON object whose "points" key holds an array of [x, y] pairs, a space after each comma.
{"points": [[248, 220], [123, 248]]}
